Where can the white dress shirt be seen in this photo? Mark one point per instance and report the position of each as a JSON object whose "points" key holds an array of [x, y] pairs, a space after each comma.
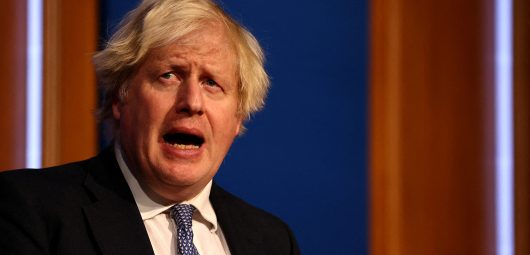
{"points": [[161, 228]]}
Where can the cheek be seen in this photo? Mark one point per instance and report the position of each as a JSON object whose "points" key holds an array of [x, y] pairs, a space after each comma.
{"points": [[137, 114], [148, 105], [226, 127]]}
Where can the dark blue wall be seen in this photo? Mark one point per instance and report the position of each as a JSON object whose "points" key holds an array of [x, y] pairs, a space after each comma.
{"points": [[304, 157]]}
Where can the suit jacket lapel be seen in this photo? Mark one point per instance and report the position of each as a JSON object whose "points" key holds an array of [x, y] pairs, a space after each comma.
{"points": [[241, 238], [114, 217]]}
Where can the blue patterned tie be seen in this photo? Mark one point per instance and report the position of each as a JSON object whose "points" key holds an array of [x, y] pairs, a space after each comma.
{"points": [[182, 215]]}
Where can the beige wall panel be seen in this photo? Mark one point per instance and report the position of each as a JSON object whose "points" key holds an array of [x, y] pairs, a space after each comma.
{"points": [[12, 84], [70, 86], [432, 127]]}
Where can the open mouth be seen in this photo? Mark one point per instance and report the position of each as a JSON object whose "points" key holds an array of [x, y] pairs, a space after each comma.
{"points": [[183, 141]]}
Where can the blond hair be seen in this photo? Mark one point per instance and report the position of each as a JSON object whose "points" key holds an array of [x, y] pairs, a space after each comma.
{"points": [[156, 23]]}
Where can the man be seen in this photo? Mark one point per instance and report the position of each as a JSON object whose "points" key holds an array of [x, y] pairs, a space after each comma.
{"points": [[180, 77]]}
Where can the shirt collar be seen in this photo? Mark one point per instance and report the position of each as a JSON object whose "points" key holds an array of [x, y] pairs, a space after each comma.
{"points": [[149, 208]]}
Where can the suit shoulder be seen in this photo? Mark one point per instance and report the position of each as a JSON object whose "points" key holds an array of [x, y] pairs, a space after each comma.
{"points": [[66, 174], [233, 202], [36, 203], [47, 184], [244, 213], [234, 213]]}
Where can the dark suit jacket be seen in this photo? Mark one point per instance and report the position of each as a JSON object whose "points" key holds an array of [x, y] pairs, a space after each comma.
{"points": [[87, 208]]}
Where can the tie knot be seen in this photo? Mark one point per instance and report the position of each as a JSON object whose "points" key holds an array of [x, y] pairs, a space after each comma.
{"points": [[183, 214]]}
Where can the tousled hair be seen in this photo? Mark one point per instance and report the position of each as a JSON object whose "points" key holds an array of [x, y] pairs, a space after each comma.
{"points": [[155, 23]]}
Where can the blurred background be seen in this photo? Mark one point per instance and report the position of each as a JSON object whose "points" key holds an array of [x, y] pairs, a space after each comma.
{"points": [[392, 126]]}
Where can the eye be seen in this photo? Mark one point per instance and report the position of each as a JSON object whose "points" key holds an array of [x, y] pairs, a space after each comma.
{"points": [[169, 79], [167, 76], [210, 83]]}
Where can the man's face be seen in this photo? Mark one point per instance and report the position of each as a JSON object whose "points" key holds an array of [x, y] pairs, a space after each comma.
{"points": [[179, 117]]}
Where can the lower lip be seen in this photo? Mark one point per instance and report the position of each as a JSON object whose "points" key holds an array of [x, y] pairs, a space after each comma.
{"points": [[182, 153]]}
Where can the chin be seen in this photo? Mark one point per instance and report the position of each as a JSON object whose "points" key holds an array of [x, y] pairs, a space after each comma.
{"points": [[181, 176]]}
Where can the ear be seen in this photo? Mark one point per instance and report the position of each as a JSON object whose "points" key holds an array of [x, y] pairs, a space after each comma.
{"points": [[116, 109], [238, 127]]}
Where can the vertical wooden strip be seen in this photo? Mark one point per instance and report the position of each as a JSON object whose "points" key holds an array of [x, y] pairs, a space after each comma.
{"points": [[69, 86], [522, 125], [51, 92], [12, 84], [432, 163], [385, 123]]}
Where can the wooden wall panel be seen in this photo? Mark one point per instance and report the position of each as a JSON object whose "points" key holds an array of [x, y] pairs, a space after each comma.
{"points": [[522, 125], [12, 84], [432, 126], [69, 86]]}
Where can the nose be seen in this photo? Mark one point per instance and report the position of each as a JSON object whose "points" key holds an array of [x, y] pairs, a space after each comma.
{"points": [[190, 98]]}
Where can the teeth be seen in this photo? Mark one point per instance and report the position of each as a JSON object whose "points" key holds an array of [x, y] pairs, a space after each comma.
{"points": [[185, 147]]}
